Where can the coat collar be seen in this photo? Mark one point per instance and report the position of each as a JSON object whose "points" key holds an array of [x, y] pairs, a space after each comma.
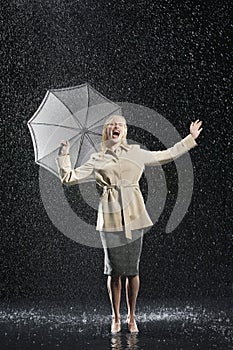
{"points": [[124, 146]]}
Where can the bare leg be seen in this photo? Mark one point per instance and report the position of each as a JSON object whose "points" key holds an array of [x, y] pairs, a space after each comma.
{"points": [[114, 291], [132, 287]]}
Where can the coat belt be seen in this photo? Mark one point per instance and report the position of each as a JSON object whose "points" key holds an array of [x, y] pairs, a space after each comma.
{"points": [[125, 209]]}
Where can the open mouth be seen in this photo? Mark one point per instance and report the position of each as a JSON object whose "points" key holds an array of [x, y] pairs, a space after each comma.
{"points": [[115, 134]]}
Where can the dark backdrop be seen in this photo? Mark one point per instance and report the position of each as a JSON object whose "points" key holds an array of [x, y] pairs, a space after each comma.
{"points": [[173, 57]]}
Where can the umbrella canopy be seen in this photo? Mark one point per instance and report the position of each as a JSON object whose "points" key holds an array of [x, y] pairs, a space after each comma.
{"points": [[76, 114]]}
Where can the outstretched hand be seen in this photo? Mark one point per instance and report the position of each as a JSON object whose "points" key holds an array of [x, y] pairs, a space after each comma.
{"points": [[194, 128], [64, 148]]}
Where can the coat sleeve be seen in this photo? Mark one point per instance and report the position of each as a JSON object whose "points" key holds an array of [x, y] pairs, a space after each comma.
{"points": [[170, 154], [71, 176]]}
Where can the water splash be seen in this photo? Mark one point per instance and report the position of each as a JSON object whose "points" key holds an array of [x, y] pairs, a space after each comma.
{"points": [[48, 323]]}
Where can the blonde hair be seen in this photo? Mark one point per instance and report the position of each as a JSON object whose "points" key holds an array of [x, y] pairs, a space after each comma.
{"points": [[105, 132]]}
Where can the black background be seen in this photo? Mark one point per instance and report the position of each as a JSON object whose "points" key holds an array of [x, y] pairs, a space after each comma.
{"points": [[173, 57]]}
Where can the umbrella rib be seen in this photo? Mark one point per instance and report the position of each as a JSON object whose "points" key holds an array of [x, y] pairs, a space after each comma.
{"points": [[94, 133], [90, 140], [46, 166], [106, 99], [102, 118], [57, 148], [76, 120], [63, 126], [88, 102], [80, 146]]}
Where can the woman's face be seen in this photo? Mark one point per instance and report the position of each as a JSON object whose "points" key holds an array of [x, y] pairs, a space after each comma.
{"points": [[116, 129]]}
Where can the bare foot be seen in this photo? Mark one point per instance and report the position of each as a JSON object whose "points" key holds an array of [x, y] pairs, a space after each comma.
{"points": [[115, 326], [132, 325]]}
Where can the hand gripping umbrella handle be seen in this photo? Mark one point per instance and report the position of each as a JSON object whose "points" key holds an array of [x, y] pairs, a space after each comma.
{"points": [[64, 148]]}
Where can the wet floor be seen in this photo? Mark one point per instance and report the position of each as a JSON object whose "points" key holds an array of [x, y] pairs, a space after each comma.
{"points": [[171, 324]]}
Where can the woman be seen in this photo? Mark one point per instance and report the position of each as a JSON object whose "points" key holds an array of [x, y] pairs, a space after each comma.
{"points": [[122, 215]]}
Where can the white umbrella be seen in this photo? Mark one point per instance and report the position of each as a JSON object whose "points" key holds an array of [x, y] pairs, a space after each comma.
{"points": [[76, 114]]}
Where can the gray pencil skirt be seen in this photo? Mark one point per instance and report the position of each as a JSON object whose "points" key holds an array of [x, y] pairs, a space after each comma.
{"points": [[121, 255]]}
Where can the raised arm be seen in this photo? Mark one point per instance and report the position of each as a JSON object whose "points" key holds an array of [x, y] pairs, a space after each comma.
{"points": [[71, 176], [174, 152]]}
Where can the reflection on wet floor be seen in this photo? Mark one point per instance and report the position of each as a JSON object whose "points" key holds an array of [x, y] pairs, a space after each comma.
{"points": [[131, 342], [163, 325]]}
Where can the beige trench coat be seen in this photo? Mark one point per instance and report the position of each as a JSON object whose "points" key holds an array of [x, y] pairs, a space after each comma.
{"points": [[121, 205]]}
